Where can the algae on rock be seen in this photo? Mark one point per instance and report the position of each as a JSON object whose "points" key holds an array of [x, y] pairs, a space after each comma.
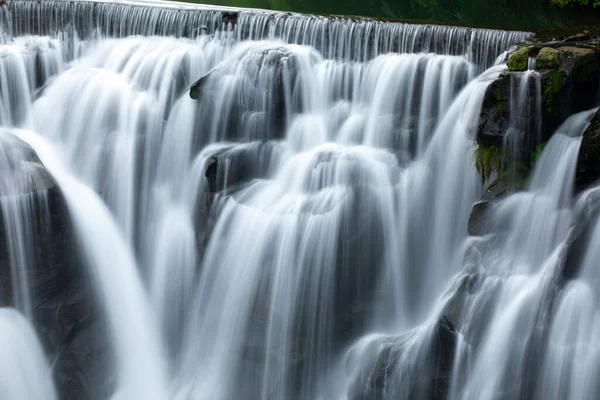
{"points": [[518, 60], [487, 161]]}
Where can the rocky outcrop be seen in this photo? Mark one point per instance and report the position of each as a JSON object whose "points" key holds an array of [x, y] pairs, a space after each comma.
{"points": [[63, 309], [569, 81]]}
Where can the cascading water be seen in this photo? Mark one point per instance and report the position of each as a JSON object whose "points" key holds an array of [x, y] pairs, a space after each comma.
{"points": [[295, 225], [517, 279], [525, 112]]}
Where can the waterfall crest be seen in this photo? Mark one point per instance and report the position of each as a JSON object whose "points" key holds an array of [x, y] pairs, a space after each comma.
{"points": [[358, 39]]}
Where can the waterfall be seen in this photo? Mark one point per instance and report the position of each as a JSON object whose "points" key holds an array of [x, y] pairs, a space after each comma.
{"points": [[524, 129], [517, 283], [275, 206]]}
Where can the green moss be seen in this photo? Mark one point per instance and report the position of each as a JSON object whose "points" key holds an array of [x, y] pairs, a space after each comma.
{"points": [[518, 60], [552, 86], [548, 58], [194, 92], [510, 180], [487, 160], [556, 80]]}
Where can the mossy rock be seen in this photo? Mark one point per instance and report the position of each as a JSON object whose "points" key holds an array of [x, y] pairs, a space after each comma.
{"points": [[518, 60], [548, 58], [487, 161], [552, 84]]}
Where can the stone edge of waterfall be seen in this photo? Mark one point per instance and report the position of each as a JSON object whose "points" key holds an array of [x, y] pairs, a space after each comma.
{"points": [[183, 6]]}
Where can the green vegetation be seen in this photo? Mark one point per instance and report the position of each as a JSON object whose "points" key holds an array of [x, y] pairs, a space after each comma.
{"points": [[548, 58], [554, 85], [487, 160], [511, 180], [527, 15], [518, 61], [564, 3]]}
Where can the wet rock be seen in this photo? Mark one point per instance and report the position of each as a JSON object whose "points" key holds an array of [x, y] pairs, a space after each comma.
{"points": [[477, 220], [587, 171], [569, 81]]}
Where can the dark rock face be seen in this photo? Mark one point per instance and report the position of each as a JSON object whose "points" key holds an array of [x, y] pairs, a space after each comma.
{"points": [[588, 160], [477, 221], [63, 309]]}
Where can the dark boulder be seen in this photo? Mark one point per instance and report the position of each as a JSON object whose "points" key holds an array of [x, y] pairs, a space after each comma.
{"points": [[477, 219]]}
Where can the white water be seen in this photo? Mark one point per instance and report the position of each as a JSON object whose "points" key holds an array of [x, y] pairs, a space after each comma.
{"points": [[306, 216], [24, 374]]}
